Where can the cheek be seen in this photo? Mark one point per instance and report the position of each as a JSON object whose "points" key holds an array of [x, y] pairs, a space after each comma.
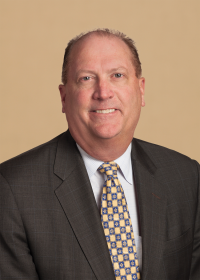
{"points": [[77, 105], [82, 99], [132, 104], [135, 96], [129, 97]]}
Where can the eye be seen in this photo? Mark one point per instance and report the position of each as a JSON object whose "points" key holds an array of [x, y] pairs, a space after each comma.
{"points": [[86, 78], [118, 75]]}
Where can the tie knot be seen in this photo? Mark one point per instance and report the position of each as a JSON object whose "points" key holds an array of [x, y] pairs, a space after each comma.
{"points": [[109, 168]]}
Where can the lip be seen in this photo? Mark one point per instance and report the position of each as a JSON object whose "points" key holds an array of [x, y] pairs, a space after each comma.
{"points": [[102, 117], [104, 111]]}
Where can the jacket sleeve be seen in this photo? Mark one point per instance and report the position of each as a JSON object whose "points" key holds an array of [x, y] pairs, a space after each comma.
{"points": [[16, 261], [195, 266]]}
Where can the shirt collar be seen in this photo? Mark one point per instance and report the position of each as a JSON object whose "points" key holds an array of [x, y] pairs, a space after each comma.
{"points": [[124, 162]]}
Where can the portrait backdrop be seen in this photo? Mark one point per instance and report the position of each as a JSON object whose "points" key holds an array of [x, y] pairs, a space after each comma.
{"points": [[34, 35]]}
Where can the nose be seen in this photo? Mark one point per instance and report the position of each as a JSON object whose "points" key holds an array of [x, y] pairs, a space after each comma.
{"points": [[103, 90]]}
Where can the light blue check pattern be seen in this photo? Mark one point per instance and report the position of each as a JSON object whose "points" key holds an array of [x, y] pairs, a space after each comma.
{"points": [[117, 225]]}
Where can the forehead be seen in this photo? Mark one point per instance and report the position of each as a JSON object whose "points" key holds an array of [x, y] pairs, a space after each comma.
{"points": [[98, 48]]}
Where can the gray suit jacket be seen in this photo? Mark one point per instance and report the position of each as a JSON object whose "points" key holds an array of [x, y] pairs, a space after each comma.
{"points": [[50, 226]]}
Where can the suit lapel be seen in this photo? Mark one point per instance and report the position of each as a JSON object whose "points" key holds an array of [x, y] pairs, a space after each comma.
{"points": [[152, 210], [77, 200]]}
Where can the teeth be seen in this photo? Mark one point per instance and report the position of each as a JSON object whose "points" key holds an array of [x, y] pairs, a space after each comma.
{"points": [[105, 111]]}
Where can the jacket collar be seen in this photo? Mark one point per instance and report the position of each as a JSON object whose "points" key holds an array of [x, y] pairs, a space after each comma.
{"points": [[77, 200], [152, 205]]}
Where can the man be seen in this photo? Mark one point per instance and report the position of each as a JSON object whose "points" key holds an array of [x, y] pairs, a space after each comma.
{"points": [[52, 223]]}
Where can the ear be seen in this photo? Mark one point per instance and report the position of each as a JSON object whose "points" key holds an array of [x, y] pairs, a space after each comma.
{"points": [[142, 89], [62, 90]]}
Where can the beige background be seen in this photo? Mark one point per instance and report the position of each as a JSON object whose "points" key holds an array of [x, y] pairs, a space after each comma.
{"points": [[34, 35]]}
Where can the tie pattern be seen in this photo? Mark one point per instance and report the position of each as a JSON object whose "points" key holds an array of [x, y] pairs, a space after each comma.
{"points": [[117, 225]]}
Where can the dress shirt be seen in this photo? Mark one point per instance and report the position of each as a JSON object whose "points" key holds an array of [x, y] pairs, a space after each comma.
{"points": [[125, 176]]}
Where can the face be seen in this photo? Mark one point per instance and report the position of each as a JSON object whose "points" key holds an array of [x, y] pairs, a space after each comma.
{"points": [[102, 98]]}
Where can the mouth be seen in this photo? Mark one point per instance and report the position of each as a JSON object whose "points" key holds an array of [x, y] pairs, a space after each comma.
{"points": [[106, 111]]}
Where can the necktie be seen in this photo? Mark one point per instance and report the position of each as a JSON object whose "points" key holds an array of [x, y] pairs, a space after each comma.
{"points": [[117, 225]]}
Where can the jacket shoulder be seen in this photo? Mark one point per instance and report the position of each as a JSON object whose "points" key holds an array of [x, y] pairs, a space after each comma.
{"points": [[41, 155], [163, 157]]}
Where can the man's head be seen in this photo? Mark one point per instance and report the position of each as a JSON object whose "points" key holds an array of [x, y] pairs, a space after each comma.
{"points": [[102, 95], [102, 32]]}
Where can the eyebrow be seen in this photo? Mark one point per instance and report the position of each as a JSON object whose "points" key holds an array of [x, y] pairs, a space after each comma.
{"points": [[118, 69], [84, 71], [93, 72]]}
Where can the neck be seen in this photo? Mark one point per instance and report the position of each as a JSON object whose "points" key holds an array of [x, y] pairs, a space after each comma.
{"points": [[105, 149]]}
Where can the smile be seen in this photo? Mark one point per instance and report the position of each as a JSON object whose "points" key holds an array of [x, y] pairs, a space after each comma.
{"points": [[107, 111]]}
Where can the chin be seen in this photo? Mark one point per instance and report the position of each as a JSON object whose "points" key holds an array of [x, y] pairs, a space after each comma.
{"points": [[106, 133]]}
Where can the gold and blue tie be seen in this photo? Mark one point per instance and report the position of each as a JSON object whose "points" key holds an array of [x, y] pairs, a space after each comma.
{"points": [[117, 226]]}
